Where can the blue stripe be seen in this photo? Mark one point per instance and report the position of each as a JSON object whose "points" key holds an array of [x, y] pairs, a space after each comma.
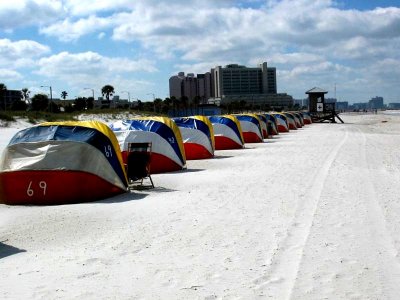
{"points": [[282, 118], [194, 123], [228, 122]]}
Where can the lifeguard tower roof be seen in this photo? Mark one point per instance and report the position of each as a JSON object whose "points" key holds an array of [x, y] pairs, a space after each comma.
{"points": [[316, 90]]}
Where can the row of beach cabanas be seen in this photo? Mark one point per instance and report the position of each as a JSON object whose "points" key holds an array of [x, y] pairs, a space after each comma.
{"points": [[81, 161]]}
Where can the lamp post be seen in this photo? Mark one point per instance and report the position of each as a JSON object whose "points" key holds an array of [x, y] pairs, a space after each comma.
{"points": [[129, 95], [335, 91], [51, 92], [154, 98]]}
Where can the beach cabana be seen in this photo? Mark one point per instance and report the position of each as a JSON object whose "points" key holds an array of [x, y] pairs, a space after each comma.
{"points": [[281, 122], [291, 121], [300, 115], [168, 153], [60, 163], [298, 119], [227, 132], [272, 126], [306, 117], [197, 135], [251, 128], [264, 125]]}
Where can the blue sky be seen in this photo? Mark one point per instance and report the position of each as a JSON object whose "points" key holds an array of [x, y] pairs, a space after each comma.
{"points": [[137, 45]]}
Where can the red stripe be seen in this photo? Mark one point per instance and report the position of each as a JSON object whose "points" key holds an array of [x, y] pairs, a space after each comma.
{"points": [[282, 128], [224, 143], [53, 187], [251, 137], [196, 151]]}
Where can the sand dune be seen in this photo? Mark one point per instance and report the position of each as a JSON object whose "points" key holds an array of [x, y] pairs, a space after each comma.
{"points": [[310, 214]]}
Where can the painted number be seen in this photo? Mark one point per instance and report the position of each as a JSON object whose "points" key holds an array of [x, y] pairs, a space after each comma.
{"points": [[171, 140], [108, 151], [29, 191], [42, 185]]}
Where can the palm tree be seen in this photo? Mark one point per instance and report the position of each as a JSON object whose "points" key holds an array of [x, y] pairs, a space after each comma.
{"points": [[3, 89], [107, 91], [25, 95], [64, 95]]}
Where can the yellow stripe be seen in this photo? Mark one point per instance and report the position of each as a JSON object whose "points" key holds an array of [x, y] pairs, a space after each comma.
{"points": [[234, 119], [99, 126], [209, 125]]}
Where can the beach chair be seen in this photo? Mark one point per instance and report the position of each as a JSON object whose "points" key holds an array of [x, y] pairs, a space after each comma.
{"points": [[138, 165]]}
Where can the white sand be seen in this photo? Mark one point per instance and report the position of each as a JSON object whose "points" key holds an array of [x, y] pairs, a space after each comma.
{"points": [[311, 214]]}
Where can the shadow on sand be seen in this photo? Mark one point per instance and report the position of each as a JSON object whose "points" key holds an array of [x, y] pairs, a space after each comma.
{"points": [[191, 170], [129, 196], [222, 156], [6, 250]]}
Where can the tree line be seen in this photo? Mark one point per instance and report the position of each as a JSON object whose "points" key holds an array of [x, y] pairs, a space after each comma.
{"points": [[170, 105], [41, 102]]}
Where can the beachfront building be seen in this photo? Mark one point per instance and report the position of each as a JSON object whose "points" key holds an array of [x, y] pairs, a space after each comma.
{"points": [[257, 86], [235, 79], [9, 97], [376, 103], [394, 105], [190, 86], [342, 105]]}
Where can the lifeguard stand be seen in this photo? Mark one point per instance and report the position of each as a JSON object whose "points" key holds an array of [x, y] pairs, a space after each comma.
{"points": [[318, 109]]}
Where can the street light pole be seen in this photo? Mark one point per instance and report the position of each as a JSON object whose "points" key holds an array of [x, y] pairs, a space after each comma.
{"points": [[335, 91], [129, 95], [51, 92], [154, 98]]}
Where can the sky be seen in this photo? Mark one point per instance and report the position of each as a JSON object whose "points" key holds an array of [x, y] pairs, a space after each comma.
{"points": [[349, 48]]}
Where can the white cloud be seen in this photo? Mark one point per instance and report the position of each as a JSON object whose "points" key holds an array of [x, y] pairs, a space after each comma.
{"points": [[90, 63], [68, 30], [18, 13], [101, 35], [20, 53], [91, 69], [7, 75], [89, 7]]}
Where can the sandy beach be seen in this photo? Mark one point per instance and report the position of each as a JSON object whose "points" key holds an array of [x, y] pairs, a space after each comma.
{"points": [[309, 214]]}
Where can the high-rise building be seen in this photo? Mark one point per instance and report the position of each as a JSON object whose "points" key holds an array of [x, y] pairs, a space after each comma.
{"points": [[191, 86], [204, 86], [235, 79], [271, 79], [233, 82], [176, 88], [376, 103]]}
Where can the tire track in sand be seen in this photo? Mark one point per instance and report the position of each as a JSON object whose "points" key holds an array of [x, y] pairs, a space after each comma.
{"points": [[281, 276], [385, 260]]}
